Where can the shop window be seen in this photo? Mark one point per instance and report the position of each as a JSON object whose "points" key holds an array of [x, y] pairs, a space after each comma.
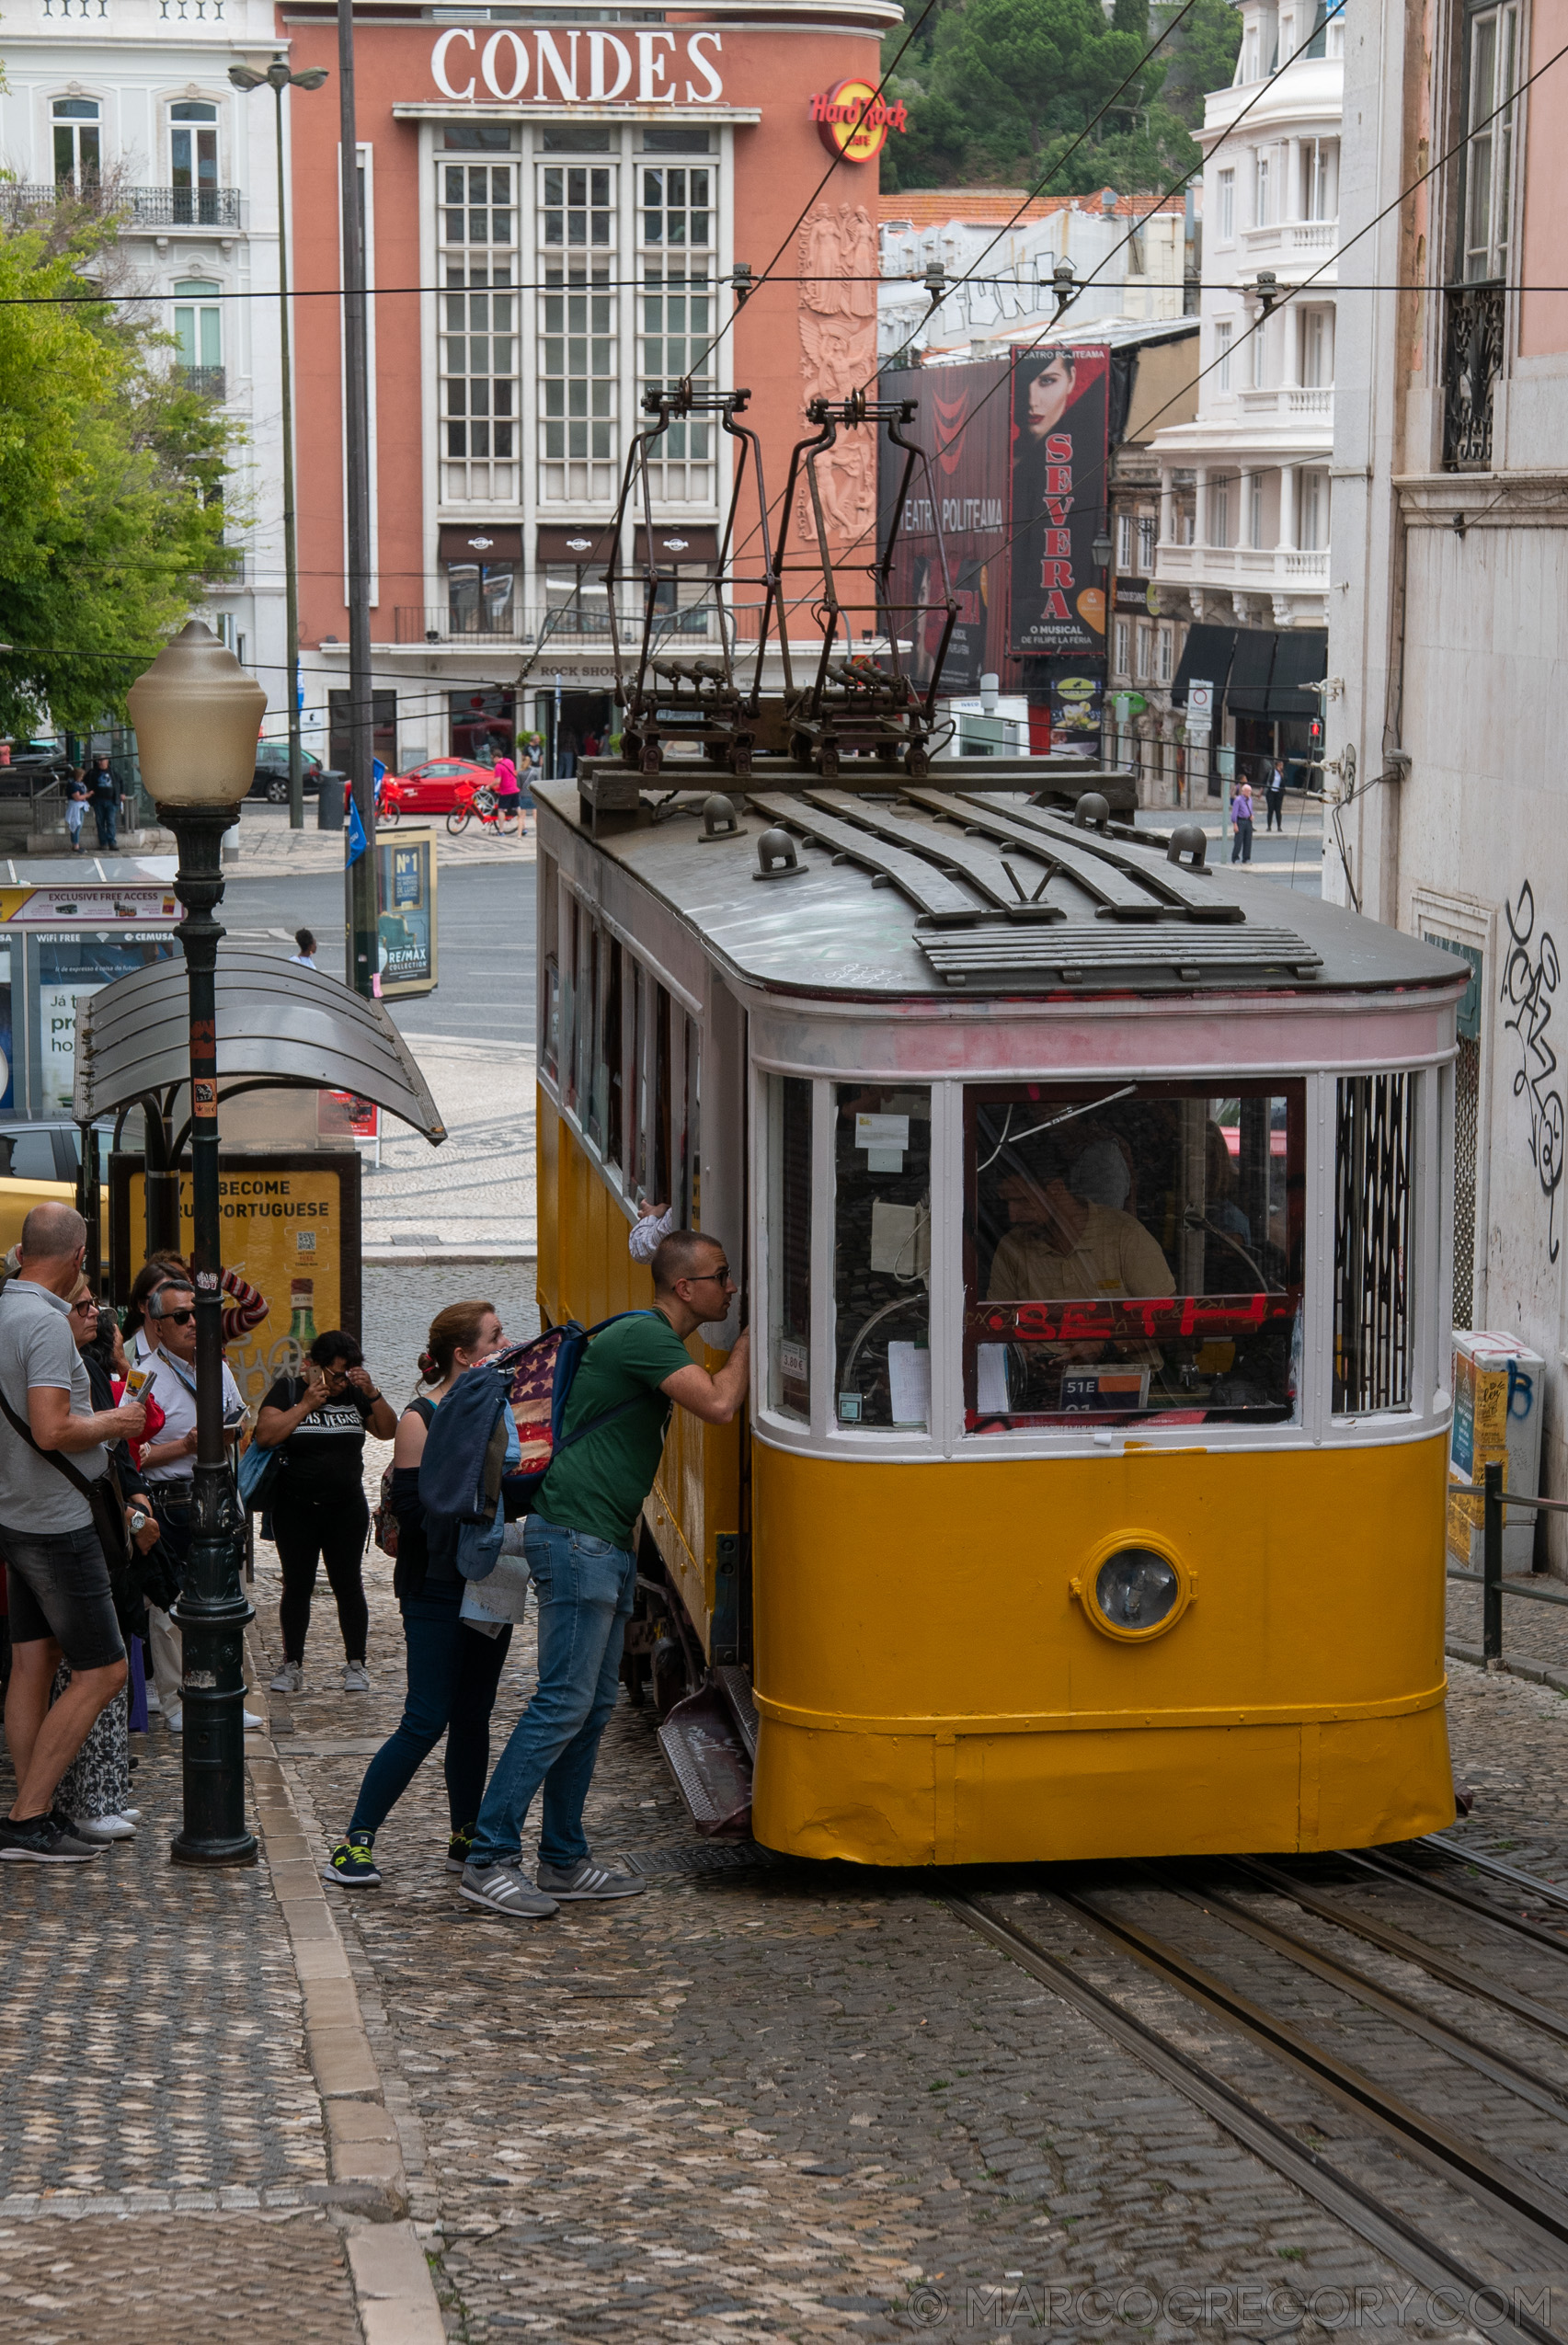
{"points": [[477, 219], [1133, 1251], [78, 154], [1374, 1146], [193, 162], [482, 725], [882, 1256], [577, 601], [788, 1239], [578, 353], [480, 595], [678, 235]]}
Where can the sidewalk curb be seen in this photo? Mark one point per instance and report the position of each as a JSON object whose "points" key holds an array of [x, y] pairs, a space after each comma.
{"points": [[1533, 1671], [394, 2295], [411, 1257]]}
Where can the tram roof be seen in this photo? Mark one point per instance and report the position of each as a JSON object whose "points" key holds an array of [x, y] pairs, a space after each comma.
{"points": [[937, 891]]}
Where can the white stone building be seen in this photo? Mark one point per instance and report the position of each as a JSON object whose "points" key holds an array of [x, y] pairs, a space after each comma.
{"points": [[1245, 488], [136, 94]]}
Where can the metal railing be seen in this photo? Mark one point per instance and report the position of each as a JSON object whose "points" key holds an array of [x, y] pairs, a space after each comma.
{"points": [[1489, 1579], [567, 628], [136, 207], [207, 382], [1472, 359]]}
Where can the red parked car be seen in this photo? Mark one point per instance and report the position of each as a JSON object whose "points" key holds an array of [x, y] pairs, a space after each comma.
{"points": [[433, 787]]}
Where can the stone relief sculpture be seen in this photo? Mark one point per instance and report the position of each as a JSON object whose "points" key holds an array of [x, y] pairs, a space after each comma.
{"points": [[838, 353]]}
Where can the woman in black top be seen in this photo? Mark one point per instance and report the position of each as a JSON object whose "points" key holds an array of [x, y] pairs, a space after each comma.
{"points": [[453, 1669], [317, 1505]]}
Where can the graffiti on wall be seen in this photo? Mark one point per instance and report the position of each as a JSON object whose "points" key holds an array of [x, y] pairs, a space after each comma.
{"points": [[1531, 974]]}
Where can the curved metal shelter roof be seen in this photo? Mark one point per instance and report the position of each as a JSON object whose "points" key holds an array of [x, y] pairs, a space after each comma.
{"points": [[279, 1027]]}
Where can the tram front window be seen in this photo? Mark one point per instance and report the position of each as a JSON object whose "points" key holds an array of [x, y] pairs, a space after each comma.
{"points": [[1133, 1251], [882, 1255]]}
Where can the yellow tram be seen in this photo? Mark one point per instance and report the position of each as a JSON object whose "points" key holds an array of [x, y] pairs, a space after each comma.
{"points": [[1094, 1213]]}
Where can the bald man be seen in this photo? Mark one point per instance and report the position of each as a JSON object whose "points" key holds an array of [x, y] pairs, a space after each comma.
{"points": [[62, 1608]]}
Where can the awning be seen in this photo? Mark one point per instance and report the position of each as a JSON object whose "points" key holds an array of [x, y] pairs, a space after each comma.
{"points": [[1301, 657], [590, 542], [1206, 655], [676, 544], [279, 1027], [501, 543], [1247, 693]]}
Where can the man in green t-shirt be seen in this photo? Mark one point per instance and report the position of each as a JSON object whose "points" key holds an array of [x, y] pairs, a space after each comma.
{"points": [[578, 1542]]}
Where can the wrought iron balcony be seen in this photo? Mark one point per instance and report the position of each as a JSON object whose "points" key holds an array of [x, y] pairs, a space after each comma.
{"points": [[136, 207], [207, 382], [1472, 359], [573, 627]]}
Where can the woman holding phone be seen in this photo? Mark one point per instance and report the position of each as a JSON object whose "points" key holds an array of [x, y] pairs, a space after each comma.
{"points": [[319, 1513]]}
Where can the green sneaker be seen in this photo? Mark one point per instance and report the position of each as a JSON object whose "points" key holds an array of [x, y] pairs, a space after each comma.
{"points": [[460, 1847], [353, 1862]]}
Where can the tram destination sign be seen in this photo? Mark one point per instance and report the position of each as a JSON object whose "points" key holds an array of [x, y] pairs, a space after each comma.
{"points": [[1156, 1317]]}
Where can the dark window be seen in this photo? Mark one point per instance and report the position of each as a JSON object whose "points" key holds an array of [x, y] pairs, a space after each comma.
{"points": [[610, 1056], [384, 729], [1373, 1138], [788, 1237]]}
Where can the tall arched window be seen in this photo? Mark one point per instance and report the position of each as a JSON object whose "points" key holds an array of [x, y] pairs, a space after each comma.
{"points": [[199, 332], [77, 155], [193, 154]]}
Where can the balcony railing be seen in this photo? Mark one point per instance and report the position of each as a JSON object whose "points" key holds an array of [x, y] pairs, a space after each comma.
{"points": [[1290, 399], [138, 206], [1251, 569], [1472, 359], [1291, 235], [207, 382], [570, 630]]}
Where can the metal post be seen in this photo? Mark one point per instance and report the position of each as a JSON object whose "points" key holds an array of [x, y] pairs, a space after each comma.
{"points": [[359, 876], [213, 1609], [1492, 1565], [291, 572]]}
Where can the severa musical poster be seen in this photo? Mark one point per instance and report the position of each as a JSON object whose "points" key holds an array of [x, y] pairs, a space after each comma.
{"points": [[1061, 451], [963, 422]]}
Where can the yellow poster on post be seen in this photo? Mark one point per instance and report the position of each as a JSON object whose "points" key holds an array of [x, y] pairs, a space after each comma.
{"points": [[291, 1251]]}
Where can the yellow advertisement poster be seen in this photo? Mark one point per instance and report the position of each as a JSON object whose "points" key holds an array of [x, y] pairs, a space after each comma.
{"points": [[291, 1244]]}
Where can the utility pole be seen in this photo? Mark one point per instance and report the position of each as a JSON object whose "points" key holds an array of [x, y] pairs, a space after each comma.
{"points": [[359, 878]]}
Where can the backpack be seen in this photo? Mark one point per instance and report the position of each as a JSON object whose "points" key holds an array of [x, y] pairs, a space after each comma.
{"points": [[539, 1376]]}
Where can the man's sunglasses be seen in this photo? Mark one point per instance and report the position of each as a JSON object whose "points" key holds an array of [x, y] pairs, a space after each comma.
{"points": [[178, 1319], [719, 1277]]}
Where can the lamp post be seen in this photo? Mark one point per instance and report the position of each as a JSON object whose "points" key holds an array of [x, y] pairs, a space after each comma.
{"points": [[1100, 552], [278, 78], [196, 714]]}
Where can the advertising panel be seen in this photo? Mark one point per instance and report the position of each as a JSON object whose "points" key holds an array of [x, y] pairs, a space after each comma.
{"points": [[290, 1231], [406, 894], [963, 421], [1060, 459]]}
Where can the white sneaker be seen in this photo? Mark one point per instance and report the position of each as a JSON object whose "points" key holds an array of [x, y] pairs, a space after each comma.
{"points": [[253, 1725], [153, 1702], [356, 1677], [133, 1815], [104, 1827], [175, 1720], [289, 1679]]}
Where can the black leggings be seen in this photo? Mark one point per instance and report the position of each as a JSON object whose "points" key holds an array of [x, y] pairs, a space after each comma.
{"points": [[331, 1531]]}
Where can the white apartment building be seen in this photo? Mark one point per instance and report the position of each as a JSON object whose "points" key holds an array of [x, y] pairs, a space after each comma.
{"points": [[1128, 259], [135, 94], [1245, 488]]}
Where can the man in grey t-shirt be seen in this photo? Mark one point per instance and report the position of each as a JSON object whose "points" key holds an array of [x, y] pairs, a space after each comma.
{"points": [[61, 1605]]}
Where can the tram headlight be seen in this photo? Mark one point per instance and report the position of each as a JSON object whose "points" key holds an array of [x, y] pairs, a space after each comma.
{"points": [[1135, 1589]]}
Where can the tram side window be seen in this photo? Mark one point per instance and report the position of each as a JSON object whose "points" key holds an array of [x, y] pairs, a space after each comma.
{"points": [[642, 1169], [607, 1074], [550, 957], [591, 1087], [1133, 1251], [882, 1255], [659, 1135], [691, 1200], [788, 1245], [1374, 1154], [570, 1019]]}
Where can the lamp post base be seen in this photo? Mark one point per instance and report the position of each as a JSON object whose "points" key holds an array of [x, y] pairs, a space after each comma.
{"points": [[243, 1851]]}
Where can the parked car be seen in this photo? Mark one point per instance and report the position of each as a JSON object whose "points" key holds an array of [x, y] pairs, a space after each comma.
{"points": [[271, 780], [433, 788], [45, 1151]]}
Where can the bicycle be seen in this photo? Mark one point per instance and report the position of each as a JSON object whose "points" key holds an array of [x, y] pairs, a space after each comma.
{"points": [[475, 800], [389, 803]]}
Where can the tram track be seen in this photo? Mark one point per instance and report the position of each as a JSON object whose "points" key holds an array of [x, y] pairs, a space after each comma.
{"points": [[1525, 2205]]}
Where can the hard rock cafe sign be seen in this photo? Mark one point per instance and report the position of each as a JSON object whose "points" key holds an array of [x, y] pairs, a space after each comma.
{"points": [[852, 123]]}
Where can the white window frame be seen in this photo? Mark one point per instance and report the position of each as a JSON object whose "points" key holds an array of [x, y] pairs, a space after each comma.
{"points": [[1223, 333], [1225, 192]]}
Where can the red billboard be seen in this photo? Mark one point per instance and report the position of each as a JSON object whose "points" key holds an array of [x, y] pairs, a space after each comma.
{"points": [[963, 421], [1061, 450]]}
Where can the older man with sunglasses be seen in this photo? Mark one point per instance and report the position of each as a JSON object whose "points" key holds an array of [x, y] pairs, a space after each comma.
{"points": [[580, 1543], [168, 1471]]}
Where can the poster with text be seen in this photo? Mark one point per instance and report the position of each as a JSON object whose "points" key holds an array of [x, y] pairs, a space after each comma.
{"points": [[291, 1244], [405, 883], [963, 422], [1061, 451]]}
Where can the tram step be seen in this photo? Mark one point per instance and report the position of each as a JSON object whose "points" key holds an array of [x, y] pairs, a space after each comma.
{"points": [[710, 1762], [734, 1685]]}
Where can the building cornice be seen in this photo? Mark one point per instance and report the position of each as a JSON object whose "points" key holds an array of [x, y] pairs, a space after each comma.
{"points": [[1484, 501]]}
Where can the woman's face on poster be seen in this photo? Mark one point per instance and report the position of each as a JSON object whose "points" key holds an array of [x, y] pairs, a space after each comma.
{"points": [[1049, 391]]}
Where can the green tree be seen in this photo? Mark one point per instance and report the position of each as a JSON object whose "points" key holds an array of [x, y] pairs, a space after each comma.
{"points": [[112, 479], [1202, 52]]}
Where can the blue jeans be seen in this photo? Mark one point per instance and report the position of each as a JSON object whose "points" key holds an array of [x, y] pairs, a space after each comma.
{"points": [[452, 1674], [584, 1588]]}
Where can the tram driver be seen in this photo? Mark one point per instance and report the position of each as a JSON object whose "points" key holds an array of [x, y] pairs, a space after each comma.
{"points": [[1070, 1238]]}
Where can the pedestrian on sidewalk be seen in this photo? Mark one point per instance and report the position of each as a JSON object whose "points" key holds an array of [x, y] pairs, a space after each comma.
{"points": [[105, 793], [77, 796], [169, 1335], [508, 797], [1274, 799], [453, 1668], [1242, 824], [318, 1422], [53, 1447], [306, 958], [579, 1544]]}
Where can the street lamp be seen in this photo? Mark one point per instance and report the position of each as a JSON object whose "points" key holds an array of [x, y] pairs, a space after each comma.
{"points": [[196, 714], [278, 78]]}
